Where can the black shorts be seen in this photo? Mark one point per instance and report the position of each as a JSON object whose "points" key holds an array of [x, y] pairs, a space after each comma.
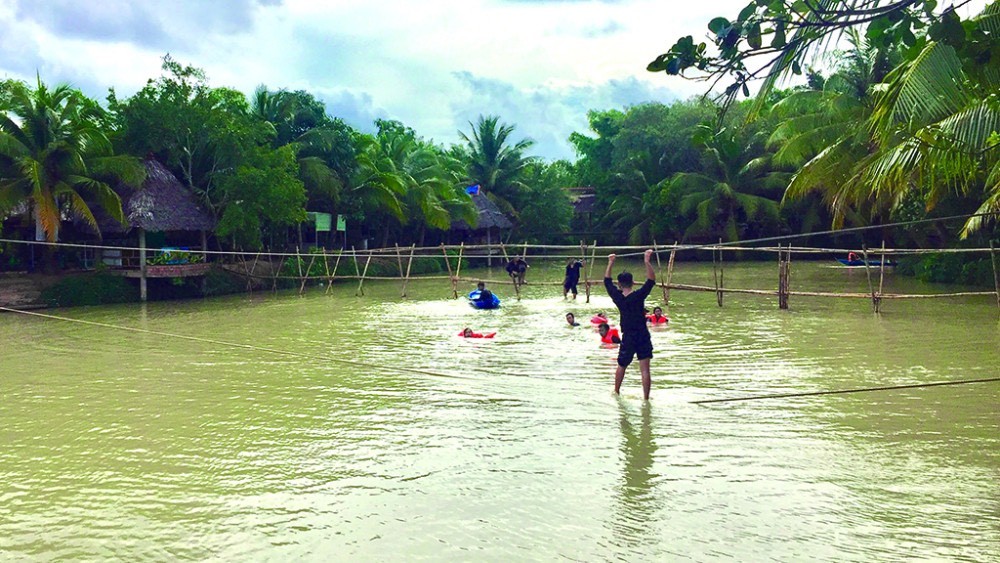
{"points": [[637, 344], [570, 286]]}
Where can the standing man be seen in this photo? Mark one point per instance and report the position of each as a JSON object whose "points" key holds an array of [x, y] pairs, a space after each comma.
{"points": [[635, 334], [572, 277]]}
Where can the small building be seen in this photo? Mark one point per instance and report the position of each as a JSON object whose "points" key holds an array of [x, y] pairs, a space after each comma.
{"points": [[163, 215], [489, 226]]}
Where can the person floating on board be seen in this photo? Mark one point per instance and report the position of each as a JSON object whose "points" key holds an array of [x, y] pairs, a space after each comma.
{"points": [[468, 333], [657, 317], [609, 335], [485, 295], [571, 319], [635, 334], [572, 277], [522, 270]]}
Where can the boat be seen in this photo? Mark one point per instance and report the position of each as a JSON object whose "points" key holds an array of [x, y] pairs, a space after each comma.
{"points": [[860, 262], [475, 302]]}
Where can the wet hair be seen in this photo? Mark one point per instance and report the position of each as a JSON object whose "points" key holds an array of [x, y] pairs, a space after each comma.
{"points": [[570, 314], [655, 309], [466, 331], [625, 279], [481, 284], [605, 326]]}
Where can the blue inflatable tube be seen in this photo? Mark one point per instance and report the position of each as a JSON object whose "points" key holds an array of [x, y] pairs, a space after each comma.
{"points": [[479, 304]]}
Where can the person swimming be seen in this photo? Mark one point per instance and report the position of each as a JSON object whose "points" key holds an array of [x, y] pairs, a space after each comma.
{"points": [[609, 335], [571, 319], [657, 317]]}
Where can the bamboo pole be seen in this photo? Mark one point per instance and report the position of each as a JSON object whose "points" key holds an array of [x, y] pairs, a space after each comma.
{"points": [[996, 275], [399, 260], [447, 263], [326, 270], [274, 282], [670, 274], [408, 266], [715, 276], [659, 270], [458, 270], [881, 277], [513, 278], [722, 275], [868, 274], [333, 275], [302, 288], [361, 283], [593, 257]]}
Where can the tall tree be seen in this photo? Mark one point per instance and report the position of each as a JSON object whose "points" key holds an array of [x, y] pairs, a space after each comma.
{"points": [[496, 161], [55, 156]]}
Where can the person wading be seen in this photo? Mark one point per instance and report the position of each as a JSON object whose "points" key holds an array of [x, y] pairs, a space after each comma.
{"points": [[635, 335]]}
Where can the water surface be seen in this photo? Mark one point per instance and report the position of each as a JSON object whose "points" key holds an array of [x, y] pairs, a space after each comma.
{"points": [[134, 446]]}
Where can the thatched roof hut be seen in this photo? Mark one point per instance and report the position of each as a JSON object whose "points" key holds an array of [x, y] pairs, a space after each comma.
{"points": [[162, 204], [490, 216]]}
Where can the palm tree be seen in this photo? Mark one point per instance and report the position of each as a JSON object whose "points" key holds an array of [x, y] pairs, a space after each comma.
{"points": [[55, 157], [734, 194], [937, 123], [823, 132], [494, 163]]}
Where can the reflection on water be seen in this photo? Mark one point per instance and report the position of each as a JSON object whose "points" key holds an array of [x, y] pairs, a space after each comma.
{"points": [[637, 503], [139, 447]]}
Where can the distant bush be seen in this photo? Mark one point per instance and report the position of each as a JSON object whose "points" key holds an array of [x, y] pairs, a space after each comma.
{"points": [[96, 288], [948, 268]]}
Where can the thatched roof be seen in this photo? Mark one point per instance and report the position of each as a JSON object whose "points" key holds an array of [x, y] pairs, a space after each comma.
{"points": [[163, 204], [490, 216]]}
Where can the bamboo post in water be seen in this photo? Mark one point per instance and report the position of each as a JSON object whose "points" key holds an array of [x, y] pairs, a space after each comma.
{"points": [[458, 269], [996, 275], [513, 279], [659, 271], [302, 287], [326, 270], [781, 278], [881, 278], [447, 263], [336, 265], [399, 260], [274, 280], [413, 248], [361, 282], [868, 274], [670, 274], [722, 275], [715, 275], [593, 257]]}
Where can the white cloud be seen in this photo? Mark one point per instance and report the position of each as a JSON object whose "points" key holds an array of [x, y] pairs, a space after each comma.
{"points": [[433, 65]]}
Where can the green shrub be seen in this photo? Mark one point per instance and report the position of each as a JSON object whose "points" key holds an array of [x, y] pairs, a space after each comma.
{"points": [[948, 268], [96, 288]]}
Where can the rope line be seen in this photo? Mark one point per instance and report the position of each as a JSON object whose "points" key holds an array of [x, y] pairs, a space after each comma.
{"points": [[233, 344], [845, 391], [432, 250]]}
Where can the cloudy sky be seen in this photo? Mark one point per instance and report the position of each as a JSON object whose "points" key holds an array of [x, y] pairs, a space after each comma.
{"points": [[434, 65]]}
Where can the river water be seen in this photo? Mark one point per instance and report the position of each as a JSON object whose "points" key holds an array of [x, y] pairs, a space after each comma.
{"points": [[134, 446]]}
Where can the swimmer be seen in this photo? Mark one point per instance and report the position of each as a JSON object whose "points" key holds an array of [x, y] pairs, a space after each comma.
{"points": [[608, 335], [571, 319]]}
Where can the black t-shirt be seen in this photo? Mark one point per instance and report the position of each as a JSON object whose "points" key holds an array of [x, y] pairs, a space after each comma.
{"points": [[631, 306], [573, 272], [511, 267]]}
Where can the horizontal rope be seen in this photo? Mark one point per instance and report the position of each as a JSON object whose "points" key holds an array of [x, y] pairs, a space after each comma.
{"points": [[845, 391]]}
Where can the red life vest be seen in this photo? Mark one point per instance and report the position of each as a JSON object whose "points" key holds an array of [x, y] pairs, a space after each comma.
{"points": [[608, 338], [478, 335], [662, 319]]}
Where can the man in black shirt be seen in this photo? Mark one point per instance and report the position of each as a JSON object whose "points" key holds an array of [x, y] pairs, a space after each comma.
{"points": [[572, 277], [635, 335]]}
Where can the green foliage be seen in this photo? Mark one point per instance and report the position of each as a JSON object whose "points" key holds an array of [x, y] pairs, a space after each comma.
{"points": [[495, 163], [948, 268], [264, 193], [176, 257], [55, 156], [90, 289], [545, 206]]}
